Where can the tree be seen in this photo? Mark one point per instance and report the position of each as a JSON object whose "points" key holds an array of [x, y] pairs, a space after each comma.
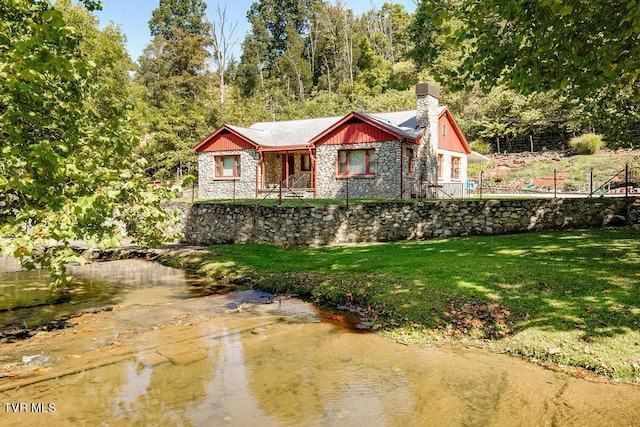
{"points": [[587, 52], [276, 52], [571, 45], [106, 48], [175, 126], [336, 35], [223, 40], [388, 31], [179, 49], [67, 170], [173, 71], [187, 16]]}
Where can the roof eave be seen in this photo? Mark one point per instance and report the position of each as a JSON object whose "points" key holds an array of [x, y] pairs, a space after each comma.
{"points": [[266, 148], [457, 130], [348, 117], [217, 132]]}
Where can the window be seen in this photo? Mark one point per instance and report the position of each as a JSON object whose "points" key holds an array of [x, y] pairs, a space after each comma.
{"points": [[455, 168], [444, 130], [410, 161], [355, 162], [440, 165], [305, 165], [227, 166]]}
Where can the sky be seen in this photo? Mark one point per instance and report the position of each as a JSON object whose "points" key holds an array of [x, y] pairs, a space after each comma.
{"points": [[132, 16]]}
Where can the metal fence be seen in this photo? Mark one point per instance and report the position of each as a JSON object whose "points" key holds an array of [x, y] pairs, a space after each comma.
{"points": [[561, 183]]}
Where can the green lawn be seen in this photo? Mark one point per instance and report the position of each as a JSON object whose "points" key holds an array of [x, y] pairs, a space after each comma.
{"points": [[572, 298], [298, 202]]}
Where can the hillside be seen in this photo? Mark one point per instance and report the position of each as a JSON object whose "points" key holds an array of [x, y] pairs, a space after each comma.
{"points": [[573, 172]]}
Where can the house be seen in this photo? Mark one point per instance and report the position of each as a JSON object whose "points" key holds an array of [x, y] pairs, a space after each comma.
{"points": [[416, 153]]}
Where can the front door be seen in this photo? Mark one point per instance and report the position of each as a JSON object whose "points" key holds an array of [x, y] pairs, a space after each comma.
{"points": [[288, 169]]}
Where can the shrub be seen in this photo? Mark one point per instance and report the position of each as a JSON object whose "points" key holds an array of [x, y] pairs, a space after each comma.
{"points": [[481, 147], [589, 143]]}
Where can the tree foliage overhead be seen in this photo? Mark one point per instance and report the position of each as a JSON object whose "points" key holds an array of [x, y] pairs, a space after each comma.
{"points": [[66, 167], [531, 46], [588, 53]]}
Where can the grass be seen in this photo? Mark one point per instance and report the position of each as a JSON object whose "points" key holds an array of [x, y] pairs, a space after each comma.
{"points": [[296, 202], [571, 298]]}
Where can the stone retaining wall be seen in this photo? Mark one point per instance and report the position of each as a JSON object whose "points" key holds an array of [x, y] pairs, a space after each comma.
{"points": [[204, 224]]}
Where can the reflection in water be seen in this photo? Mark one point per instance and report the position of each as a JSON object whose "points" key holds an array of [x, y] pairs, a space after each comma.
{"points": [[228, 379], [198, 362], [27, 300], [138, 377]]}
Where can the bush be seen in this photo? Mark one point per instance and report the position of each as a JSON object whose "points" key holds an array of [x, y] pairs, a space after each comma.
{"points": [[589, 143], [481, 147]]}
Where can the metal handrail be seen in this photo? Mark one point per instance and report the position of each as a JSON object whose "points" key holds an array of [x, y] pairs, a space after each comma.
{"points": [[420, 181], [626, 171], [287, 188]]}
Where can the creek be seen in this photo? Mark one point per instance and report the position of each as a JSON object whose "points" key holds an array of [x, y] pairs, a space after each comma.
{"points": [[144, 344]]}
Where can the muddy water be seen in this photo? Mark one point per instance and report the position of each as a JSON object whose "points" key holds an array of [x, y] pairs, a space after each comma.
{"points": [[165, 358]]}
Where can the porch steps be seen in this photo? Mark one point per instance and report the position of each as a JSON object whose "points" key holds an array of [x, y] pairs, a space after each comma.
{"points": [[296, 193]]}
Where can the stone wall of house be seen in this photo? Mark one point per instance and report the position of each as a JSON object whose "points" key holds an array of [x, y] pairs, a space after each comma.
{"points": [[386, 165], [204, 224], [244, 187], [273, 169]]}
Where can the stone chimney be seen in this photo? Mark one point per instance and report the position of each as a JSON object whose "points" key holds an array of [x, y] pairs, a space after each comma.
{"points": [[427, 118], [427, 110]]}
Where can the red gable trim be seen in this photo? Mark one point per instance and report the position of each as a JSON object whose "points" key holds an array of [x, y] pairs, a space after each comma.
{"points": [[354, 128], [224, 138], [453, 141]]}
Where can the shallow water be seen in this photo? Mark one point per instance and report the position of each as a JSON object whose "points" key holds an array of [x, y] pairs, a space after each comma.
{"points": [[27, 300], [165, 358]]}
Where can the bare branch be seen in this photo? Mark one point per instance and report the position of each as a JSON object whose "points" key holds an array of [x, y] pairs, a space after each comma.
{"points": [[223, 40]]}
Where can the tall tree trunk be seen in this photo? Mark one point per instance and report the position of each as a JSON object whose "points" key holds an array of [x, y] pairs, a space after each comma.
{"points": [[223, 41]]}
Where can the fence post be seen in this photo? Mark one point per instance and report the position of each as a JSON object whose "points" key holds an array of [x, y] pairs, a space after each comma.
{"points": [[555, 183], [234, 191], [591, 182], [280, 194], [347, 192], [531, 141], [626, 180], [481, 176]]}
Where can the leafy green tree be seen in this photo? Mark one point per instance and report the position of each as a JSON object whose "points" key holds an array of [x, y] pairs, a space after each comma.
{"points": [[275, 52], [388, 31], [106, 48], [333, 41], [176, 84], [544, 44], [588, 52], [179, 50], [375, 71], [187, 16], [67, 172], [173, 128]]}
